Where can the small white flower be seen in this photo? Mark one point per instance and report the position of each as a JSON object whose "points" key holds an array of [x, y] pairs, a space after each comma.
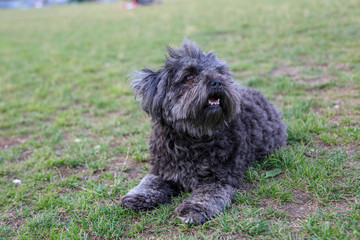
{"points": [[17, 181], [97, 147], [77, 140]]}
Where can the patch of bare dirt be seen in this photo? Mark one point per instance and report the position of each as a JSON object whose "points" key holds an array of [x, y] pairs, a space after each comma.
{"points": [[284, 70], [340, 206], [355, 164], [302, 205], [345, 102], [299, 73], [337, 119], [111, 114], [246, 186], [351, 149], [343, 67], [13, 220], [302, 57], [115, 166], [322, 66], [24, 155], [321, 79], [343, 92], [128, 166], [64, 172], [7, 142], [244, 74], [320, 144]]}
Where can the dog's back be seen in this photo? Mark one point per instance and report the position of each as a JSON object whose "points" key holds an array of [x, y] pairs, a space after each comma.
{"points": [[262, 121]]}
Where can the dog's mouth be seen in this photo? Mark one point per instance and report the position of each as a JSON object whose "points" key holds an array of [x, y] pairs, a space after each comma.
{"points": [[214, 101]]}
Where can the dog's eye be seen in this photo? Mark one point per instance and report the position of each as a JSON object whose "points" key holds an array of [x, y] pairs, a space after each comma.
{"points": [[190, 78]]}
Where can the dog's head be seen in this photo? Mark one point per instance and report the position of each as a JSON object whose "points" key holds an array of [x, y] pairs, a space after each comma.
{"points": [[193, 93]]}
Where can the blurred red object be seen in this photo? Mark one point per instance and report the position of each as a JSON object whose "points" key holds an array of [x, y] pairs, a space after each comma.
{"points": [[130, 5]]}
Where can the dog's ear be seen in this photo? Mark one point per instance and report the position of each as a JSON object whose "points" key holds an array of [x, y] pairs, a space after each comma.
{"points": [[145, 84]]}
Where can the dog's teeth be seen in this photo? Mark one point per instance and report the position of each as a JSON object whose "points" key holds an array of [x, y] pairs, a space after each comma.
{"points": [[214, 102]]}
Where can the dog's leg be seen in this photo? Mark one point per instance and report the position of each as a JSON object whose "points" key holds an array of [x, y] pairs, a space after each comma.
{"points": [[151, 192], [204, 203]]}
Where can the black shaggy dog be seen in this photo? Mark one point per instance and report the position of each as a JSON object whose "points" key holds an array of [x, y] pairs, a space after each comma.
{"points": [[206, 131]]}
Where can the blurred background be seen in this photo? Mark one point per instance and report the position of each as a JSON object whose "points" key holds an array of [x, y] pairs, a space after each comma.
{"points": [[73, 140], [23, 4]]}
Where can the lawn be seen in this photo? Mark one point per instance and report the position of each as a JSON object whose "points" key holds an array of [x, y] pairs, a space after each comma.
{"points": [[72, 132]]}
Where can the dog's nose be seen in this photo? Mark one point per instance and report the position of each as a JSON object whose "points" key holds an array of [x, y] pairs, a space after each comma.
{"points": [[216, 84]]}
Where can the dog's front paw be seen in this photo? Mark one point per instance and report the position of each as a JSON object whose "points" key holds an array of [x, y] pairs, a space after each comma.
{"points": [[192, 213], [136, 201]]}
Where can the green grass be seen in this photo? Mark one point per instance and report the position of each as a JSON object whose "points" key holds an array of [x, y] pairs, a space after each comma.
{"points": [[71, 131]]}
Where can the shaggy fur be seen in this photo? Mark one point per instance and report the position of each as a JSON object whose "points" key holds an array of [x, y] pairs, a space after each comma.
{"points": [[206, 131]]}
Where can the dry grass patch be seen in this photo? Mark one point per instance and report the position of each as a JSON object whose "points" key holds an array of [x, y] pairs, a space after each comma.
{"points": [[310, 72]]}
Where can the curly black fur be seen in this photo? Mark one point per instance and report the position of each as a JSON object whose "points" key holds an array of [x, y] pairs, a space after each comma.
{"points": [[206, 131]]}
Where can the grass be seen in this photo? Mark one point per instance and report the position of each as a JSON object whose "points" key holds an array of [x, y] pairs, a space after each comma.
{"points": [[71, 131]]}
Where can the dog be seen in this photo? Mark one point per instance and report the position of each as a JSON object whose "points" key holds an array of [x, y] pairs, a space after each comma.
{"points": [[206, 131]]}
